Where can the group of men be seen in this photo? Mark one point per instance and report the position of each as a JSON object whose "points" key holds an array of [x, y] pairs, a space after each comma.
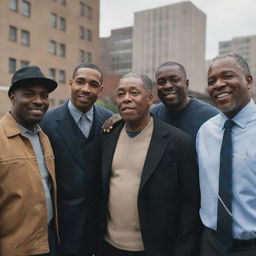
{"points": [[133, 191]]}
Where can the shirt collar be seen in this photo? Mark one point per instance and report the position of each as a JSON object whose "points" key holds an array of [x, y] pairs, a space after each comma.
{"points": [[242, 117], [76, 113], [24, 130]]}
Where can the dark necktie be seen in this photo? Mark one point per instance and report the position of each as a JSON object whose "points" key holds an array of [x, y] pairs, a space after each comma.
{"points": [[224, 219]]}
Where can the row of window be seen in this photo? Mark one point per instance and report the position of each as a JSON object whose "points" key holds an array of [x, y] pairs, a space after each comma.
{"points": [[63, 2], [85, 33], [85, 11], [57, 49], [85, 56], [25, 7], [13, 64], [24, 35], [61, 75], [58, 22]]}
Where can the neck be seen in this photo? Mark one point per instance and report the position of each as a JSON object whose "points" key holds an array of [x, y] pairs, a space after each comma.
{"points": [[181, 106], [138, 125]]}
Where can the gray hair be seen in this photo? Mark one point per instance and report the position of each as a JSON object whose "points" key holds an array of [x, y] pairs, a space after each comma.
{"points": [[239, 60], [146, 81]]}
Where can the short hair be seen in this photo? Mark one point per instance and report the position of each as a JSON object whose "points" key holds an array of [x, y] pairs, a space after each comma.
{"points": [[87, 65], [173, 63], [147, 82], [239, 60]]}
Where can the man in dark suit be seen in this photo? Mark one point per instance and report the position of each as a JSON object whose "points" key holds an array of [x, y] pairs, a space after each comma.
{"points": [[150, 181], [73, 129]]}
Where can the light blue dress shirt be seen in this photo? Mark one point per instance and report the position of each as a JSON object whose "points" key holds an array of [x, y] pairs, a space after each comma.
{"points": [[208, 143], [34, 139], [83, 120]]}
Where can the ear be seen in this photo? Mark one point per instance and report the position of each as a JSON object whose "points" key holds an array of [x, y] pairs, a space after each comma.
{"points": [[249, 80], [12, 97], [101, 88], [70, 82], [187, 83], [150, 98]]}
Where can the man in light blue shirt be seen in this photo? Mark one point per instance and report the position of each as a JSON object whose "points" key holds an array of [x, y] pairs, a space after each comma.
{"points": [[229, 83]]}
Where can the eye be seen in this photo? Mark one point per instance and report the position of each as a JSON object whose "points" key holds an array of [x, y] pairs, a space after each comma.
{"points": [[135, 93], [28, 94], [161, 82], [228, 76], [45, 96], [120, 94], [211, 82], [94, 84], [174, 80]]}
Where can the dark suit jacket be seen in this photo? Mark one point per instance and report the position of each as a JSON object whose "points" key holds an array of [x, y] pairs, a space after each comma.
{"points": [[168, 197], [77, 179]]}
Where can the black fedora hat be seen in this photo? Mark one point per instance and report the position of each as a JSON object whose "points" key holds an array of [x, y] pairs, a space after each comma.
{"points": [[28, 75]]}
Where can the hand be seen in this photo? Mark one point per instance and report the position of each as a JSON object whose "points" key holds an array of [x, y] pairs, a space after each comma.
{"points": [[109, 124]]}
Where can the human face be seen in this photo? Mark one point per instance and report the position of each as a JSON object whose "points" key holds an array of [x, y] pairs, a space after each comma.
{"points": [[228, 86], [29, 104], [133, 102], [85, 88], [172, 87]]}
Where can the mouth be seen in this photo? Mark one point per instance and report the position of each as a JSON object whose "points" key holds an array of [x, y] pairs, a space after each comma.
{"points": [[222, 96], [37, 111], [127, 109], [84, 98]]}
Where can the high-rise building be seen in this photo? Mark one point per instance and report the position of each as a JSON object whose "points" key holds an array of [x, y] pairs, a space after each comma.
{"points": [[56, 35], [174, 32], [116, 51], [244, 46]]}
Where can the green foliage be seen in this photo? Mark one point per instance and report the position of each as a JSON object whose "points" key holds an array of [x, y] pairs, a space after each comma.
{"points": [[109, 104]]}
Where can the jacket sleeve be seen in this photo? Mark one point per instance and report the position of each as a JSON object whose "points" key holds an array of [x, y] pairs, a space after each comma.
{"points": [[190, 227]]}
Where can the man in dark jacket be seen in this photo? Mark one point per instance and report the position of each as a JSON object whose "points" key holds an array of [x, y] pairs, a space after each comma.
{"points": [[73, 129], [150, 181]]}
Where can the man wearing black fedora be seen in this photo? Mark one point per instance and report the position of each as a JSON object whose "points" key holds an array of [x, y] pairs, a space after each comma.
{"points": [[27, 175]]}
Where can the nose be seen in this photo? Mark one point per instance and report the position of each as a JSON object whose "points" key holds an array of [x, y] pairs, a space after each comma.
{"points": [[38, 99], [168, 85], [219, 84], [86, 88], [126, 98]]}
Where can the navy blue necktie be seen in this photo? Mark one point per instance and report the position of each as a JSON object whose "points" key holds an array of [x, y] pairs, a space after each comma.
{"points": [[224, 234]]}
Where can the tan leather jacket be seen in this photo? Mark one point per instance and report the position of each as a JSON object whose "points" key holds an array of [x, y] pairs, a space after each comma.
{"points": [[23, 213]]}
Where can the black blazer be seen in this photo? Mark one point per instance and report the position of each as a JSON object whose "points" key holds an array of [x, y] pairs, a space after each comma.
{"points": [[168, 197], [77, 178]]}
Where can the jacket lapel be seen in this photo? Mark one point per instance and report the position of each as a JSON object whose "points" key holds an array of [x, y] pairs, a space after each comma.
{"points": [[65, 128], [156, 150], [109, 146]]}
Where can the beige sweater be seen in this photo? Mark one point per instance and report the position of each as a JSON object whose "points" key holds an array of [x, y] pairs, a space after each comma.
{"points": [[123, 229]]}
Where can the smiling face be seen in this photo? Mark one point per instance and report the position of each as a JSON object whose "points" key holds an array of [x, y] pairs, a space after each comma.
{"points": [[29, 104], [172, 87], [228, 86], [85, 88], [133, 102]]}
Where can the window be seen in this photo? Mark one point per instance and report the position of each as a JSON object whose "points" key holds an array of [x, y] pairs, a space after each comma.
{"points": [[52, 73], [81, 55], [82, 9], [25, 37], [24, 63], [62, 78], [89, 35], [82, 33], [89, 12], [53, 47], [13, 4], [26, 8], [62, 50], [89, 57], [12, 65], [63, 2], [62, 24], [53, 20], [12, 33]]}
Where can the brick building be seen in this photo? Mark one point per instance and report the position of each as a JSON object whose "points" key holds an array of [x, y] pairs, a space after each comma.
{"points": [[54, 34]]}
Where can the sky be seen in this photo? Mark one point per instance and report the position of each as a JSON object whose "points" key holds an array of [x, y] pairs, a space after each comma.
{"points": [[225, 18]]}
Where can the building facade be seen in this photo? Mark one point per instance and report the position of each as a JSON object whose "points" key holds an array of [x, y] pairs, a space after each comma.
{"points": [[56, 35], [116, 51], [174, 32], [244, 46]]}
